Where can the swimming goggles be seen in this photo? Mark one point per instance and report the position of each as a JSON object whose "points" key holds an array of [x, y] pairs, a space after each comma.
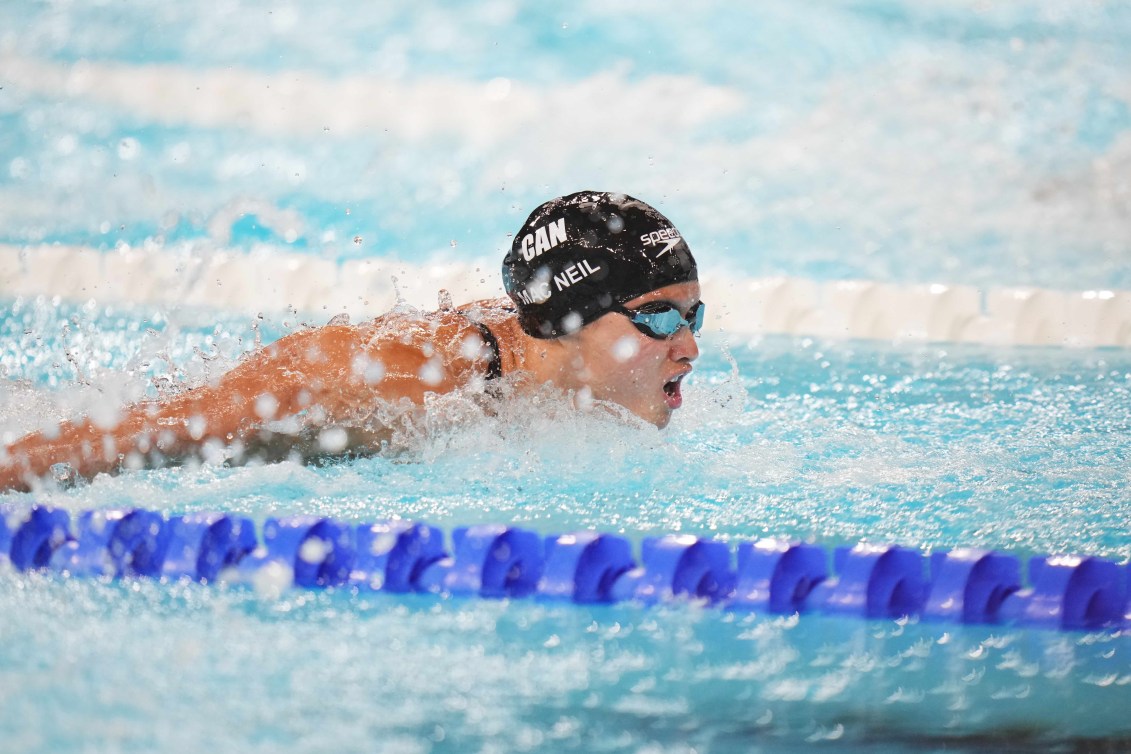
{"points": [[662, 320]]}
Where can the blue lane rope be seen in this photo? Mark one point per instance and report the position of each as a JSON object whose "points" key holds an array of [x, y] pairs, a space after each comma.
{"points": [[964, 585]]}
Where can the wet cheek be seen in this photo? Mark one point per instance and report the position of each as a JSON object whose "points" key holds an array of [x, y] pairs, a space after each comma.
{"points": [[651, 366]]}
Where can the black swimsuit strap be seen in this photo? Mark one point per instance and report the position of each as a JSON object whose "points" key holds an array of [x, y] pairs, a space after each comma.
{"points": [[495, 364]]}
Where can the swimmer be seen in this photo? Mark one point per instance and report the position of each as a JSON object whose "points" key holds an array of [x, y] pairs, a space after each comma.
{"points": [[604, 301]]}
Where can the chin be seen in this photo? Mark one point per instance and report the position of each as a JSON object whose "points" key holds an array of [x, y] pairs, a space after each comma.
{"points": [[659, 417]]}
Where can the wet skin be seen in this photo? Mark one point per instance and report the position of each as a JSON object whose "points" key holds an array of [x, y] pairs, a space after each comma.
{"points": [[335, 375], [619, 364]]}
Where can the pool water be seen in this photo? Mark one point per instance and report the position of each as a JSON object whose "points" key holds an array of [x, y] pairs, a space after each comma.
{"points": [[1023, 450], [143, 666], [886, 141], [954, 142]]}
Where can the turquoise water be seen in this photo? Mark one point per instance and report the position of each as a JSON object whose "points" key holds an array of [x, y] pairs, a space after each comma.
{"points": [[952, 142], [139, 667], [1024, 450], [955, 142]]}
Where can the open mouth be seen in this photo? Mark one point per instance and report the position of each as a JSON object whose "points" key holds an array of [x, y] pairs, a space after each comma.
{"points": [[672, 392]]}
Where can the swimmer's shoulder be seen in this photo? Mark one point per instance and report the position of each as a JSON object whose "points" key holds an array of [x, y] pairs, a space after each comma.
{"points": [[491, 312], [494, 321], [501, 320]]}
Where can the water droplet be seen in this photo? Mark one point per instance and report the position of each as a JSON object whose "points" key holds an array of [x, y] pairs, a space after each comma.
{"points": [[333, 440], [432, 372], [572, 322], [625, 348], [128, 148], [266, 405], [272, 579]]}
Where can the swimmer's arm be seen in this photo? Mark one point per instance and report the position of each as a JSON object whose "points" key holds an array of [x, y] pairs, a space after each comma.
{"points": [[173, 427], [331, 373]]}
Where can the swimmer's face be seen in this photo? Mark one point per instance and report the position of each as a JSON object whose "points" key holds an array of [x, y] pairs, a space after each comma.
{"points": [[619, 363]]}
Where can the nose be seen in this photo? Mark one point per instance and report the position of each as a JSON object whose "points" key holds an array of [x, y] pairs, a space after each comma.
{"points": [[683, 345]]}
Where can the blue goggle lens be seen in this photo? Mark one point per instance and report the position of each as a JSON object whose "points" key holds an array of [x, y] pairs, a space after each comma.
{"points": [[664, 320]]}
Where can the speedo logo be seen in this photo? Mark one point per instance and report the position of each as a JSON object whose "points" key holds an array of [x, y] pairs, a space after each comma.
{"points": [[543, 239], [669, 237]]}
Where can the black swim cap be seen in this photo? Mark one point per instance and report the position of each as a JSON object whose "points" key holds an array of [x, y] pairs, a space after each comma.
{"points": [[578, 256]]}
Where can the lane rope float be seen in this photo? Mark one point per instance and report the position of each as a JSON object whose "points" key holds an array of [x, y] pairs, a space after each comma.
{"points": [[776, 576]]}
